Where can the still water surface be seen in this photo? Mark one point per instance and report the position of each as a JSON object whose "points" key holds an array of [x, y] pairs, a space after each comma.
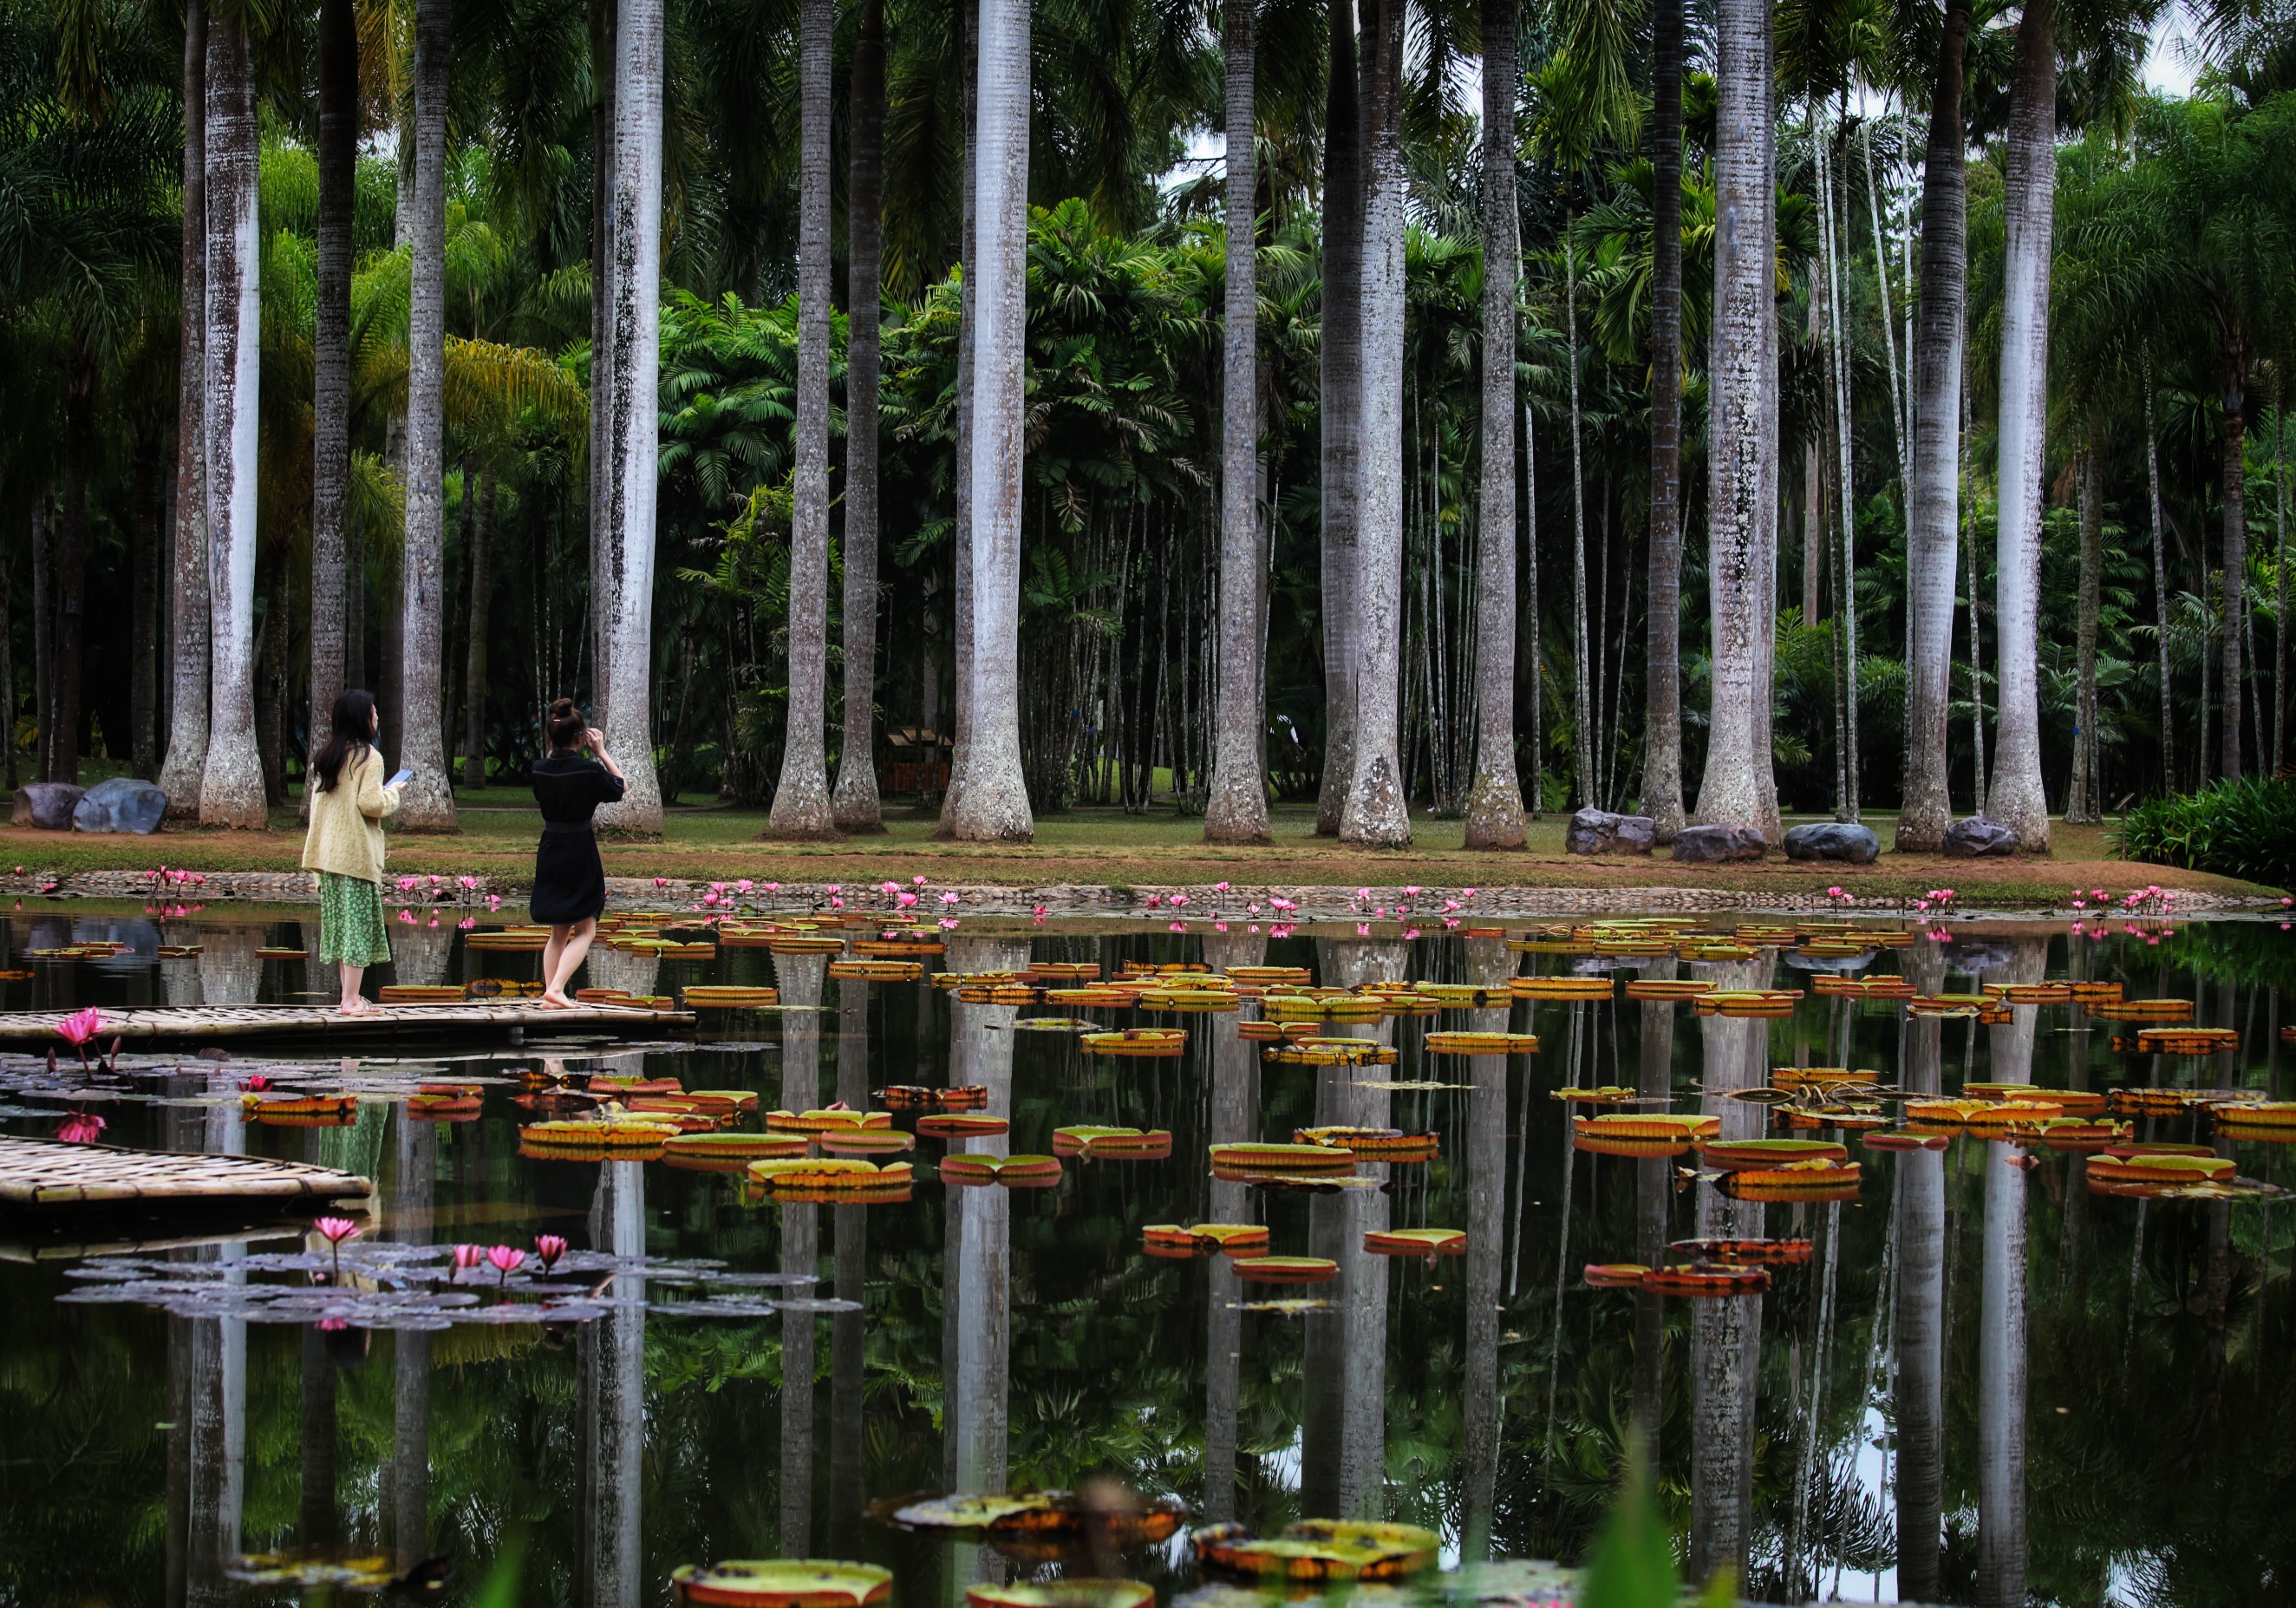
{"points": [[1986, 1386]]}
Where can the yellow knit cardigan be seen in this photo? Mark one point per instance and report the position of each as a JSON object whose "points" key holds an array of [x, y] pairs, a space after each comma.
{"points": [[346, 834]]}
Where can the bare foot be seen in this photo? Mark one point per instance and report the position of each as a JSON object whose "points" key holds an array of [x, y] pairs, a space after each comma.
{"points": [[556, 1001]]}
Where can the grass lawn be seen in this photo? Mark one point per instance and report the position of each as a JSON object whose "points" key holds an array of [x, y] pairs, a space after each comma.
{"points": [[1107, 848]]}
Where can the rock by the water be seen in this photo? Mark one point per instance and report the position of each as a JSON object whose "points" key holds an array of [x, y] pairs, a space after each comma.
{"points": [[1705, 845], [1599, 831], [1973, 836], [1833, 840], [47, 805], [120, 804]]}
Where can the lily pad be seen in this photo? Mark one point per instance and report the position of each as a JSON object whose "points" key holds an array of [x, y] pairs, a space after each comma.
{"points": [[1319, 1549], [1063, 1594], [781, 1583]]}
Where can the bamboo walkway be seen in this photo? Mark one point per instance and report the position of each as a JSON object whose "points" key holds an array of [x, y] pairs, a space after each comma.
{"points": [[202, 1025], [35, 1173]]}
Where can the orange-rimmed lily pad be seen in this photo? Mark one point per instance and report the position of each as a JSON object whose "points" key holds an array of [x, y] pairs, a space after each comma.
{"points": [[1707, 1279], [1179, 1242], [1428, 1243], [1068, 1592], [834, 1173], [1731, 1154], [1614, 1276], [1285, 1269], [1013, 1172], [1392, 1144], [1319, 1549], [781, 1583], [1298, 1158], [1036, 1515], [1136, 1143], [825, 1121], [961, 1124]]}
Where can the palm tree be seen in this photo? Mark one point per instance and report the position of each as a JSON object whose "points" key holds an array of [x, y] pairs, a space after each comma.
{"points": [[1236, 811], [853, 804], [1741, 448], [1376, 812], [427, 802], [231, 785], [1662, 720], [2019, 800], [187, 721], [634, 259], [967, 19], [2084, 798], [1495, 800], [1341, 393], [474, 660], [993, 805], [802, 799], [330, 349], [1934, 495]]}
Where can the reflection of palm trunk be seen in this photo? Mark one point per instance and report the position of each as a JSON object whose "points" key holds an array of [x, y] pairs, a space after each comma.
{"points": [[1651, 1222], [1487, 966], [613, 1402], [2001, 1372], [846, 1353], [800, 1226], [215, 1397], [800, 979], [318, 1524], [981, 1234], [408, 1219], [1235, 1119], [1920, 1360], [1725, 1334]]}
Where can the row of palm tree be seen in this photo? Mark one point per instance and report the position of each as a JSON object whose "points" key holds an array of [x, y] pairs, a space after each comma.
{"points": [[1624, 309]]}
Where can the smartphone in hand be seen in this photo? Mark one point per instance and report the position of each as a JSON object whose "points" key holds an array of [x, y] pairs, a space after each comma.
{"points": [[401, 779]]}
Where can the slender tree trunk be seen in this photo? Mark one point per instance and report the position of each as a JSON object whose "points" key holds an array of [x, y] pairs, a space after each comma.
{"points": [[801, 796], [968, 341], [635, 243], [995, 805], [2280, 582], [605, 451], [1663, 792], [9, 775], [1235, 809], [186, 757], [1531, 646], [271, 693], [1934, 490], [331, 353], [855, 806], [390, 649], [1742, 452], [231, 789], [1969, 555], [2234, 494], [2084, 796], [44, 642], [474, 732], [2019, 800], [1837, 242], [1341, 393], [2160, 587], [1586, 740], [142, 611], [1377, 813], [71, 558], [1495, 799]]}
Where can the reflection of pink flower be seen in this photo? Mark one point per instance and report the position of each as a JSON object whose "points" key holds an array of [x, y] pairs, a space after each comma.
{"points": [[80, 1128], [1038, 912], [1179, 926], [1219, 926], [948, 923], [81, 1026], [1411, 933], [1362, 929], [549, 1248]]}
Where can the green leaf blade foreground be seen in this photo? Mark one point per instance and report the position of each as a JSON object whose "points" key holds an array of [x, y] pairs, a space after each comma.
{"points": [[1633, 1563]]}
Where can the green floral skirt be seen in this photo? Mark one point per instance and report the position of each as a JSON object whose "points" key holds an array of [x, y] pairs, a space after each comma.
{"points": [[351, 921]]}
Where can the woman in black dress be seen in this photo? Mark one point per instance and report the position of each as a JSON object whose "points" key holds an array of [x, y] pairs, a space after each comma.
{"points": [[570, 882]]}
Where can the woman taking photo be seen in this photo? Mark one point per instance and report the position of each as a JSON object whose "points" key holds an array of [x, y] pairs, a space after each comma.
{"points": [[570, 880], [345, 845]]}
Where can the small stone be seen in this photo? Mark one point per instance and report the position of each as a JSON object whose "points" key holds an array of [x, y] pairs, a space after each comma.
{"points": [[1973, 836], [120, 804], [1599, 831], [1833, 840], [47, 805], [1705, 845]]}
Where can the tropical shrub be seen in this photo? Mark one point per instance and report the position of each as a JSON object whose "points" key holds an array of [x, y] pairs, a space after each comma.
{"points": [[2245, 828]]}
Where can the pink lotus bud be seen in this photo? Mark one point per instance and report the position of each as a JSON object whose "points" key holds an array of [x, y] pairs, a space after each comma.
{"points": [[468, 1256], [506, 1259], [549, 1247]]}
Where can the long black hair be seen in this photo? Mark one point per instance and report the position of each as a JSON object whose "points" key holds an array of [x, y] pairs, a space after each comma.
{"points": [[352, 736]]}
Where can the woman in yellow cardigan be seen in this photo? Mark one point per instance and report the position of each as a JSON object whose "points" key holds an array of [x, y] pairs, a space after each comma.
{"points": [[345, 845]]}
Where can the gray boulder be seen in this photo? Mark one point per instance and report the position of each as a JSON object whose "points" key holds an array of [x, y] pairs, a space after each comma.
{"points": [[1599, 831], [1833, 840], [120, 804], [1973, 836], [1705, 845], [47, 805]]}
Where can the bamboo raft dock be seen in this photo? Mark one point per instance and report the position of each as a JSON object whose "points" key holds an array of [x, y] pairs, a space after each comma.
{"points": [[198, 1026], [38, 1174]]}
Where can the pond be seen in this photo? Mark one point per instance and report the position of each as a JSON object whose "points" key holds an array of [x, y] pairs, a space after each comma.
{"points": [[1988, 1382]]}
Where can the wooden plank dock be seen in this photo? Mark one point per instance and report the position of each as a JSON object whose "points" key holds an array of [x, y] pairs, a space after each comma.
{"points": [[196, 1026], [42, 1173]]}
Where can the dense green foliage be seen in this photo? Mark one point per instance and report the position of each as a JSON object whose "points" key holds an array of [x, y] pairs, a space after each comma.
{"points": [[2245, 828]]}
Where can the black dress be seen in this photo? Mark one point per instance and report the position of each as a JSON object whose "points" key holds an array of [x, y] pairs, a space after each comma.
{"points": [[570, 882]]}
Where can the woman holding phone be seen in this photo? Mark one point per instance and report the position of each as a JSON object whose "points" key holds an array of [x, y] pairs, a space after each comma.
{"points": [[569, 880], [344, 845]]}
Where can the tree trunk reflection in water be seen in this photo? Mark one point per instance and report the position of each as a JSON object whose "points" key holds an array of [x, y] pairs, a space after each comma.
{"points": [[319, 1523], [612, 1367], [847, 1356], [1725, 1333], [2001, 1356], [407, 1219], [1234, 1120], [216, 1395], [800, 978], [976, 1305], [1652, 1192], [1920, 1303], [1488, 965]]}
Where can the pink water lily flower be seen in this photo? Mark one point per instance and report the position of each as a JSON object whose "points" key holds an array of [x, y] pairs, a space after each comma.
{"points": [[889, 887], [917, 882], [1219, 887], [948, 898], [549, 1248], [745, 884], [1179, 898], [467, 1257], [335, 1231], [81, 1026], [506, 1259], [662, 881], [904, 899]]}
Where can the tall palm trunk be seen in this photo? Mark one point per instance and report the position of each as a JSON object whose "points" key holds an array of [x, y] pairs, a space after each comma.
{"points": [[2019, 800], [1377, 813], [854, 806], [2280, 582], [801, 798], [1934, 493], [634, 243], [2084, 799], [968, 339], [1236, 811], [2233, 492], [1662, 799], [1341, 390], [143, 611], [72, 556], [230, 788], [474, 672], [1585, 674], [1495, 800], [993, 806], [187, 757], [331, 352], [605, 556], [1742, 452], [2167, 738], [427, 802], [1837, 242]]}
